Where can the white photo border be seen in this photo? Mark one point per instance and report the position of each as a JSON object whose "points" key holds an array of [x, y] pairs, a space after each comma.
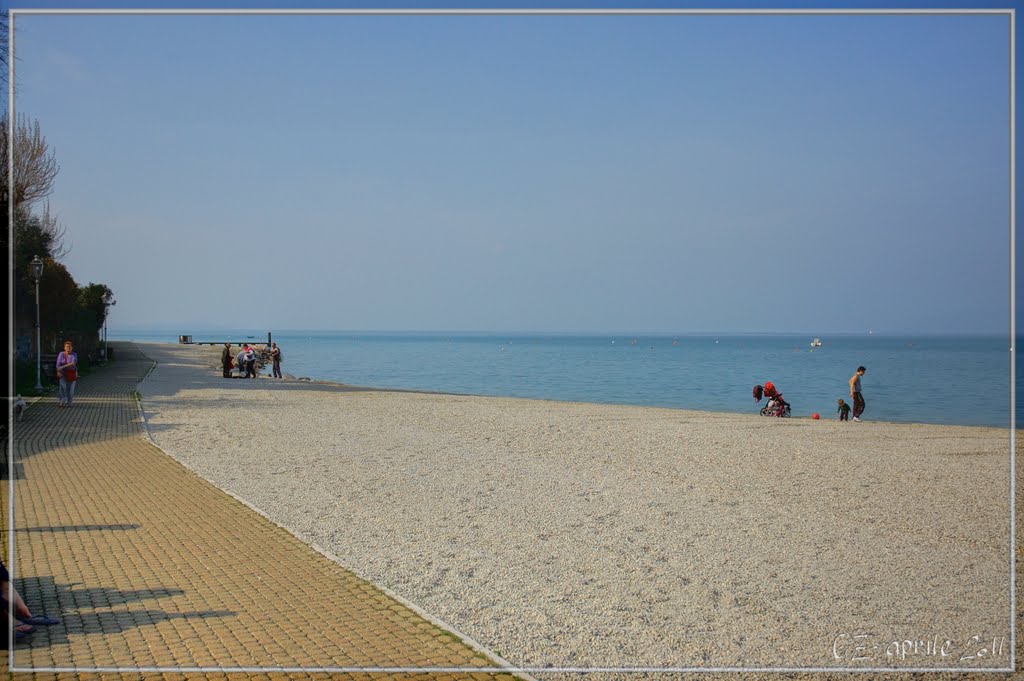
{"points": [[1009, 12]]}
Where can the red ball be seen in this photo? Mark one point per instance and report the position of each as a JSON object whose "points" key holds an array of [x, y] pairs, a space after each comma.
{"points": [[815, 416]]}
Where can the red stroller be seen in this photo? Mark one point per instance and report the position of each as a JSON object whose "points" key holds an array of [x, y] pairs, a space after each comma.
{"points": [[776, 406]]}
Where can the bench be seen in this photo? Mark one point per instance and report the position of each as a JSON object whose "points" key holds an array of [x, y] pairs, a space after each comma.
{"points": [[49, 367]]}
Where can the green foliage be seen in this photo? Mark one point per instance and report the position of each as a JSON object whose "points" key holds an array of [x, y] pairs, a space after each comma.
{"points": [[58, 294], [96, 298], [67, 311], [30, 239]]}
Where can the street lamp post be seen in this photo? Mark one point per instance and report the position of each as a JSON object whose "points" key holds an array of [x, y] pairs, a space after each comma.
{"points": [[37, 272], [106, 313]]}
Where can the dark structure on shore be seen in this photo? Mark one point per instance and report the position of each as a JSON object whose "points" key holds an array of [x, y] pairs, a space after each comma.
{"points": [[187, 340]]}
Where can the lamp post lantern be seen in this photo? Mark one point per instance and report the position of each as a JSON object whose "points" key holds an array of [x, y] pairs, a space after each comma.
{"points": [[37, 272]]}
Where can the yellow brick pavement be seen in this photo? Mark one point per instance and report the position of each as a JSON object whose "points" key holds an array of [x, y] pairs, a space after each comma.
{"points": [[151, 568]]}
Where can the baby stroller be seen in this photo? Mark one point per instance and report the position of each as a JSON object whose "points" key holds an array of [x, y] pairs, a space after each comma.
{"points": [[776, 406]]}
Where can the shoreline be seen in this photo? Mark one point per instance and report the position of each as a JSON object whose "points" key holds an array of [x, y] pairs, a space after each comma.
{"points": [[581, 535], [215, 349]]}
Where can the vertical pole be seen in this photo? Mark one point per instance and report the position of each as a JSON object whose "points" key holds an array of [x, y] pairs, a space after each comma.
{"points": [[10, 222], [39, 346], [1013, 338]]}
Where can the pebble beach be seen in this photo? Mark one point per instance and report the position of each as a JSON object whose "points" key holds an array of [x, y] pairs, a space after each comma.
{"points": [[569, 535]]}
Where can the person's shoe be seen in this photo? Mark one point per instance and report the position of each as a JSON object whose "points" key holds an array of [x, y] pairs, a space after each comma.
{"points": [[857, 419]]}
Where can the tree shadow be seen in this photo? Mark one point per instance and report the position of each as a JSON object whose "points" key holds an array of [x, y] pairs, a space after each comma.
{"points": [[60, 529], [79, 528], [97, 610]]}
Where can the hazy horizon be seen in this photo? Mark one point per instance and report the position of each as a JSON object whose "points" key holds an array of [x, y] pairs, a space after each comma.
{"points": [[195, 329]]}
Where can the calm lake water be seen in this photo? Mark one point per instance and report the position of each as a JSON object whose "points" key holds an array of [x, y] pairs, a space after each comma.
{"points": [[950, 380]]}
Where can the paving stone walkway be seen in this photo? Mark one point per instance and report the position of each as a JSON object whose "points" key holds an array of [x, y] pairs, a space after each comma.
{"points": [[152, 569]]}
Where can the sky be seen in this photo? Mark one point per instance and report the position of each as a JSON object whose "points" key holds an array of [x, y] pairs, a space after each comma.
{"points": [[807, 173]]}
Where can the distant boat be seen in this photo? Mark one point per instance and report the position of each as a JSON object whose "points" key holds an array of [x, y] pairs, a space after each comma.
{"points": [[816, 343]]}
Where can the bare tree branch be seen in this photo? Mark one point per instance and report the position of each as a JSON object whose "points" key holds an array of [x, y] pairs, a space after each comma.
{"points": [[50, 225], [35, 166], [3, 49]]}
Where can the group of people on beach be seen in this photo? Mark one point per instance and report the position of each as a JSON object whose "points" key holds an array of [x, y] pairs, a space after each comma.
{"points": [[856, 395], [245, 360], [779, 407]]}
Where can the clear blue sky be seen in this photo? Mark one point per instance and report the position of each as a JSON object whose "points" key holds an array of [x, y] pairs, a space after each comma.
{"points": [[683, 174]]}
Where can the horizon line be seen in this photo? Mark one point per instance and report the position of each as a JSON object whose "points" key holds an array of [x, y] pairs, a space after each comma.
{"points": [[512, 11], [563, 332]]}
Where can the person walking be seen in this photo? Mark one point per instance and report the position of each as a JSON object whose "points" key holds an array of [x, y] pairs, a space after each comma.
{"points": [[856, 394], [275, 355], [225, 360], [67, 372]]}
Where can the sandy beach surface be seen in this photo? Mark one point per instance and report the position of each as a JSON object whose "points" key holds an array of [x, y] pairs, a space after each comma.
{"points": [[576, 535]]}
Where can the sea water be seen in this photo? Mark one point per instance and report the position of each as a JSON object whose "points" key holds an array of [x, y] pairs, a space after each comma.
{"points": [[928, 379]]}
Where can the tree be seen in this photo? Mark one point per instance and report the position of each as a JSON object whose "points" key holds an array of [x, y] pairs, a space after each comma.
{"points": [[61, 298], [48, 224], [35, 166], [96, 298], [3, 49], [34, 235], [30, 240]]}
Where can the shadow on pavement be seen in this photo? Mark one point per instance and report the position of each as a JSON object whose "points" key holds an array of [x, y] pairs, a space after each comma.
{"points": [[94, 610], [79, 528]]}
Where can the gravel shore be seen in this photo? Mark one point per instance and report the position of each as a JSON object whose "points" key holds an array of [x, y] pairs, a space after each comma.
{"points": [[579, 535]]}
